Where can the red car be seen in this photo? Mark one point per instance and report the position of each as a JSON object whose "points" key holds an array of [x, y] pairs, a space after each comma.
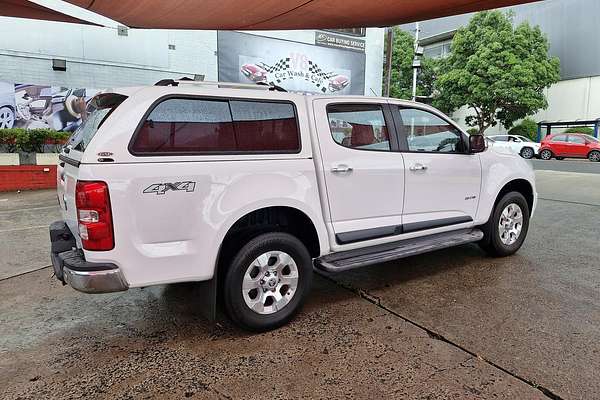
{"points": [[574, 145]]}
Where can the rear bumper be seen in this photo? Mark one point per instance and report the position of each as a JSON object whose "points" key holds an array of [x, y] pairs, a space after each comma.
{"points": [[71, 267]]}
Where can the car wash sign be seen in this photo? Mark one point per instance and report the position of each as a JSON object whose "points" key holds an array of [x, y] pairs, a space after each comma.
{"points": [[296, 67]]}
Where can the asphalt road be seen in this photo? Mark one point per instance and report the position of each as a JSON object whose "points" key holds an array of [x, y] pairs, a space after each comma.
{"points": [[568, 165], [451, 324]]}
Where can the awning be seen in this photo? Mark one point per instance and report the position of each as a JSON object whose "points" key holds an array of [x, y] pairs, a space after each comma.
{"points": [[28, 9], [278, 14]]}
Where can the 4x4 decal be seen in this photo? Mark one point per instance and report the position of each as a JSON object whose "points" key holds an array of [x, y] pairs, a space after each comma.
{"points": [[162, 188]]}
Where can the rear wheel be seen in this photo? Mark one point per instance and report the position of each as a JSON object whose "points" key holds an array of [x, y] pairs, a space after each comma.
{"points": [[267, 281], [527, 152], [7, 117], [507, 228], [545, 154], [594, 156]]}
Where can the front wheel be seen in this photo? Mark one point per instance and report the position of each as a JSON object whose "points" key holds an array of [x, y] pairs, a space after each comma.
{"points": [[507, 228], [7, 117], [527, 153], [545, 154], [267, 281], [594, 156]]}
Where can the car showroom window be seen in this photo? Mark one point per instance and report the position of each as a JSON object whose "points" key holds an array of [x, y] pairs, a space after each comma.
{"points": [[426, 132], [196, 126], [359, 126]]}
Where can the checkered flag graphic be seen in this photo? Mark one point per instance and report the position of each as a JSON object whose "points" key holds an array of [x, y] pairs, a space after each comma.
{"points": [[313, 69]]}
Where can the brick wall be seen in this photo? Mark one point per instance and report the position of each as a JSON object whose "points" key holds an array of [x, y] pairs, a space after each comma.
{"points": [[27, 177]]}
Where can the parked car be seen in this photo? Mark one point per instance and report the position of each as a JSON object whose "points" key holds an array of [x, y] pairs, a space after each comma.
{"points": [[247, 189], [7, 105], [518, 144], [573, 145]]}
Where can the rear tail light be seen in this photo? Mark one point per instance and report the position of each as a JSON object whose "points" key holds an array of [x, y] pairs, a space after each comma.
{"points": [[94, 215]]}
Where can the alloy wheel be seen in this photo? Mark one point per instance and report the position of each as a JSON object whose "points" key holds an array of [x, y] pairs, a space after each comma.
{"points": [[510, 224], [270, 282], [7, 118], [545, 155]]}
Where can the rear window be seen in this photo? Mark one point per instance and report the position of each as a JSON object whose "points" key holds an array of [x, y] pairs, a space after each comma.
{"points": [[96, 112], [199, 126]]}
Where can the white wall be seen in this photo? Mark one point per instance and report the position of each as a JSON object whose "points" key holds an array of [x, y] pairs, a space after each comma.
{"points": [[567, 100]]}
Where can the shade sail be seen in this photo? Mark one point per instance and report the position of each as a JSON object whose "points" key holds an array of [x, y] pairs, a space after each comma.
{"points": [[27, 9], [278, 14]]}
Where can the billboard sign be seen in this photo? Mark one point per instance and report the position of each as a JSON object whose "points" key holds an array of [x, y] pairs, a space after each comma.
{"points": [[296, 67]]}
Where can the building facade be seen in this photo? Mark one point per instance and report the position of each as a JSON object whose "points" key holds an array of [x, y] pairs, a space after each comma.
{"points": [[52, 60], [571, 27]]}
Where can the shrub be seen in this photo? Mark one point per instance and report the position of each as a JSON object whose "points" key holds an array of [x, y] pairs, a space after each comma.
{"points": [[473, 131], [527, 128], [30, 140], [581, 129]]}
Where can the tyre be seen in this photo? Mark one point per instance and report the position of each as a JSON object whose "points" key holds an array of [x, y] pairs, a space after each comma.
{"points": [[527, 152], [545, 154], [594, 156], [7, 117], [507, 228], [267, 281]]}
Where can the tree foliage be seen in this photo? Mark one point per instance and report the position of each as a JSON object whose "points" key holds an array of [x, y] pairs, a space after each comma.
{"points": [[527, 127], [497, 70], [403, 53]]}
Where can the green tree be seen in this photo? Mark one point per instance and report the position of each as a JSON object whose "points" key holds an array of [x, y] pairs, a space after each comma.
{"points": [[497, 70], [403, 53], [527, 128]]}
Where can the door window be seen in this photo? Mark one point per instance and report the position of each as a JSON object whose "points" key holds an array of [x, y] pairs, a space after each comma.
{"points": [[426, 132], [576, 139], [559, 138], [359, 126]]}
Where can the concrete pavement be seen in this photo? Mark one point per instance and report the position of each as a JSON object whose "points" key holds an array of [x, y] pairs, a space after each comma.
{"points": [[451, 324]]}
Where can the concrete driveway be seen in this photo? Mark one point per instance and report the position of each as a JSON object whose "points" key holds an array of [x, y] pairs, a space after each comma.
{"points": [[451, 324]]}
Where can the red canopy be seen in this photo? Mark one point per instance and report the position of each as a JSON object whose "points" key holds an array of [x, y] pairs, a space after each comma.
{"points": [[27, 9], [278, 14]]}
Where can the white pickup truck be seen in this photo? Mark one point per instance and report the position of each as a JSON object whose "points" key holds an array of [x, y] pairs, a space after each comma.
{"points": [[247, 189]]}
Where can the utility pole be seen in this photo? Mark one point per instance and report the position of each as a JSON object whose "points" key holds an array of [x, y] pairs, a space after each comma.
{"points": [[416, 62], [388, 61]]}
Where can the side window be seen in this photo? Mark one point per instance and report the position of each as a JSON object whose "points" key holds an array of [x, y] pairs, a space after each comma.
{"points": [[559, 138], [427, 132], [359, 126], [197, 126], [576, 139], [500, 138]]}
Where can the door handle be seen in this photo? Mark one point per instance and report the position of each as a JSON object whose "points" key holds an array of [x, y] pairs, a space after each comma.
{"points": [[418, 167], [341, 168]]}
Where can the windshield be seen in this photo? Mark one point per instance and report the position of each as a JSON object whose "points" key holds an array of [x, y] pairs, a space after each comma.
{"points": [[92, 118], [593, 139]]}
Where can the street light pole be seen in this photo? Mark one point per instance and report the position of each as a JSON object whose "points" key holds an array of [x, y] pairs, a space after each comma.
{"points": [[415, 68], [388, 61]]}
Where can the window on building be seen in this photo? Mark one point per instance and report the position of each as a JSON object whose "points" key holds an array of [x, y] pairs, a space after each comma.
{"points": [[351, 31], [359, 126], [427, 132], [437, 50], [192, 126]]}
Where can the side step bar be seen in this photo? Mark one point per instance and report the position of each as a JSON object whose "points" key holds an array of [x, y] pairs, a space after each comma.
{"points": [[345, 260]]}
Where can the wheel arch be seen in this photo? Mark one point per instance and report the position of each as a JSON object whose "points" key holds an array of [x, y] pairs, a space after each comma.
{"points": [[520, 185]]}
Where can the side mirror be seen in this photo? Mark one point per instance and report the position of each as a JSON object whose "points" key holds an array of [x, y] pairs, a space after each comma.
{"points": [[476, 143]]}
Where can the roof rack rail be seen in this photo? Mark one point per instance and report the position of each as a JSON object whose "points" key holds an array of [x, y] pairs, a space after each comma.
{"points": [[231, 85]]}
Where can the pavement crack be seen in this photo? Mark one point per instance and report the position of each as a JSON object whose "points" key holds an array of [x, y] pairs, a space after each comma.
{"points": [[437, 336]]}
